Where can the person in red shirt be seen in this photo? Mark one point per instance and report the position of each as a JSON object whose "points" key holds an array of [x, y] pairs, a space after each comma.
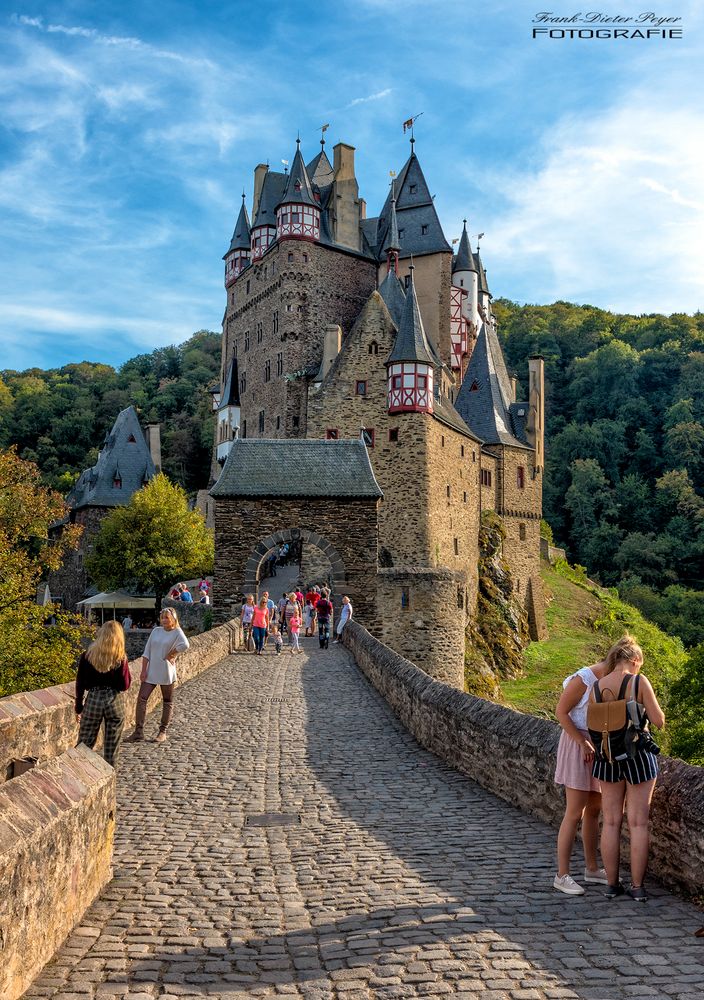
{"points": [[260, 624], [324, 612]]}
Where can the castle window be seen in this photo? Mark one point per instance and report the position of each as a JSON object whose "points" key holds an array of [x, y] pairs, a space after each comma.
{"points": [[396, 381], [273, 268], [266, 271], [486, 477], [360, 388], [243, 429], [423, 230], [520, 477], [406, 281], [295, 216], [518, 586], [412, 188], [400, 234], [442, 441], [405, 597], [232, 299], [305, 258], [373, 347], [461, 282], [522, 532], [261, 421], [289, 308], [332, 434], [462, 450], [280, 363], [117, 481], [474, 387], [457, 552], [368, 436], [267, 371], [290, 256], [132, 439], [423, 384], [247, 286], [278, 423], [275, 321], [464, 497], [246, 340], [243, 383], [447, 488], [474, 456], [295, 421], [299, 309], [393, 434]]}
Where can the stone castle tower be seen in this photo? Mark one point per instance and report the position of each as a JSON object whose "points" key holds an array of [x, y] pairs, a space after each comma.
{"points": [[340, 326]]}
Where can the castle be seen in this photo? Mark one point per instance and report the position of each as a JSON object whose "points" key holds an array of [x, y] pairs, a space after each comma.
{"points": [[345, 330]]}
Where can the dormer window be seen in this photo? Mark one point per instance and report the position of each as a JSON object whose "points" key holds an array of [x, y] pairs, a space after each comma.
{"points": [[474, 387], [132, 439], [423, 230], [412, 188], [117, 481]]}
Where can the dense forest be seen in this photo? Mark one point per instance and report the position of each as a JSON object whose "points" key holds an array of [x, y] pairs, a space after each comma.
{"points": [[58, 418], [624, 482]]}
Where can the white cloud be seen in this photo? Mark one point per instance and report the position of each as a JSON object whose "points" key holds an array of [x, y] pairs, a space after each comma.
{"points": [[371, 97], [614, 214]]}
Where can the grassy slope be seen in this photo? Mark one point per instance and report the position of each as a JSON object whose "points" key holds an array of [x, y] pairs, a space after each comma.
{"points": [[573, 643]]}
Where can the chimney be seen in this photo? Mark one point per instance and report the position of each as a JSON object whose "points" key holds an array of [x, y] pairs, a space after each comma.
{"points": [[362, 208], [343, 161], [154, 443], [260, 172], [513, 379], [331, 348], [536, 408]]}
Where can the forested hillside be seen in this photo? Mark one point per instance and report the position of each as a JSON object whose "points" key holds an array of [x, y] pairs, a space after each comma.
{"points": [[58, 418], [624, 484]]}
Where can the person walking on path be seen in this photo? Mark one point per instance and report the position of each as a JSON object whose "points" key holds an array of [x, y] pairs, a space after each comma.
{"points": [[246, 616], [345, 615], [292, 608], [575, 756], [164, 645], [324, 612], [308, 614], [102, 677], [295, 628], [627, 777], [260, 624], [281, 612]]}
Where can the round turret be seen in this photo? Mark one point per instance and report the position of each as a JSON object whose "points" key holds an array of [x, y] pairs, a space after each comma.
{"points": [[411, 364], [298, 212]]}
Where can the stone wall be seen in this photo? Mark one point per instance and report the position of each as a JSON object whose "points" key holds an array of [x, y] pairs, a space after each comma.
{"points": [[56, 835], [70, 582], [513, 756], [432, 278], [43, 724], [191, 617]]}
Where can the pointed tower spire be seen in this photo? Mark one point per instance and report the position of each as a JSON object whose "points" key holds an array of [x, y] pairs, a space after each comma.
{"points": [[298, 211], [410, 365], [237, 256], [464, 261], [392, 243]]}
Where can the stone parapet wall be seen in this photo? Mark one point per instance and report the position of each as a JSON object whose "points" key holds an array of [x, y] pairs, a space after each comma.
{"points": [[191, 617], [513, 756], [56, 836], [43, 724]]}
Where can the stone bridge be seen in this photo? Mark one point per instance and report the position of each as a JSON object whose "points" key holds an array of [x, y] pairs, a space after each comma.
{"points": [[293, 838]]}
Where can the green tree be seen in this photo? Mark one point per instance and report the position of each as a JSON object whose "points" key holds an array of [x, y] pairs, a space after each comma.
{"points": [[686, 721], [33, 653], [152, 542]]}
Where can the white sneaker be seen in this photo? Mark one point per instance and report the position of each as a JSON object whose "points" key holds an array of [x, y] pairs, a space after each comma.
{"points": [[599, 876], [565, 883]]}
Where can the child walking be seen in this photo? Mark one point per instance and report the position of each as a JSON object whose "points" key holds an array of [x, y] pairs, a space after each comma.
{"points": [[294, 628], [308, 617], [276, 638]]}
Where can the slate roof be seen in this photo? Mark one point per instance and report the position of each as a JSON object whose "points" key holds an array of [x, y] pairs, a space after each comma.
{"points": [[231, 392], [464, 261], [447, 414], [272, 190], [486, 408], [482, 285], [124, 452], [298, 188], [414, 210], [392, 241], [297, 468], [393, 294], [241, 238], [411, 343], [320, 170]]}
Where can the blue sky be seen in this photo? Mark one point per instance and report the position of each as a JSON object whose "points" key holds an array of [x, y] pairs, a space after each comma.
{"points": [[127, 132]]}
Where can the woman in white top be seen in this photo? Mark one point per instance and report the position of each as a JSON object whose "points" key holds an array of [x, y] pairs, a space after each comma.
{"points": [[575, 755], [158, 667], [345, 615]]}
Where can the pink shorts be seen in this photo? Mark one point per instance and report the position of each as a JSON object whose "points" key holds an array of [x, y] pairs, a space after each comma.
{"points": [[572, 770]]}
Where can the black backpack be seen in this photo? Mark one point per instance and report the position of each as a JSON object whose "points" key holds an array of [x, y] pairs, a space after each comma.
{"points": [[619, 728]]}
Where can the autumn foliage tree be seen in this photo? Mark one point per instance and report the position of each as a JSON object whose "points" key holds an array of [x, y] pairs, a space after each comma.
{"points": [[33, 653], [152, 542]]}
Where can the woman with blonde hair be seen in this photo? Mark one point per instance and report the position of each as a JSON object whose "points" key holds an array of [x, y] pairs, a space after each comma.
{"points": [[158, 667], [627, 773], [102, 676]]}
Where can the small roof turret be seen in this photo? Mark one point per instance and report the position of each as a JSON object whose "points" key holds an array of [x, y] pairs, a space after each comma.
{"points": [[464, 261], [298, 188], [242, 236], [272, 189], [394, 296], [411, 342], [231, 392], [482, 285], [392, 241]]}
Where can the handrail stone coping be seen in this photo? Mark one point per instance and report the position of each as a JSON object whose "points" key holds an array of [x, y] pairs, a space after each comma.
{"points": [[513, 755], [42, 724], [56, 834]]}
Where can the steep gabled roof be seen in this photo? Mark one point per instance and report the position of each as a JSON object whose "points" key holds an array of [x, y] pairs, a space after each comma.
{"points": [[411, 343], [392, 241], [415, 212], [258, 467], [391, 291], [272, 190], [320, 170], [242, 236], [298, 189], [464, 261], [484, 398], [124, 454], [231, 392]]}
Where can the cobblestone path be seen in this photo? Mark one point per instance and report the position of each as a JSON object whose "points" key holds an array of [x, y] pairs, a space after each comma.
{"points": [[400, 879]]}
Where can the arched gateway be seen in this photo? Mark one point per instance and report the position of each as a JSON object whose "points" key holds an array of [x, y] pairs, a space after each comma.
{"points": [[320, 492]]}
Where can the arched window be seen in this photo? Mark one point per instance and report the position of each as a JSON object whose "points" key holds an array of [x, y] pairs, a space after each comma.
{"points": [[373, 347]]}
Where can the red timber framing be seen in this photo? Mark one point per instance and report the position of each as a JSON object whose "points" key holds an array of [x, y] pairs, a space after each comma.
{"points": [[458, 326], [262, 238], [410, 387], [298, 222], [234, 266]]}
